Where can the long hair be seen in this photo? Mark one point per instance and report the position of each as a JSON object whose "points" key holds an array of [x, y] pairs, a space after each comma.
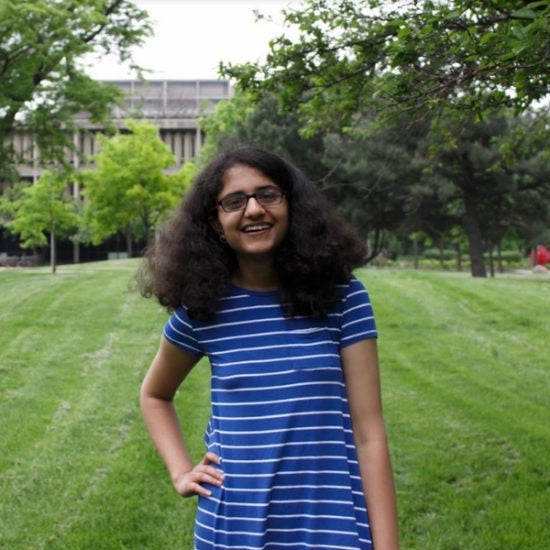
{"points": [[188, 264]]}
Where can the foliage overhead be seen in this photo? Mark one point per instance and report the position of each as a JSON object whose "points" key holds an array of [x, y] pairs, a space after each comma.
{"points": [[461, 57], [43, 82]]}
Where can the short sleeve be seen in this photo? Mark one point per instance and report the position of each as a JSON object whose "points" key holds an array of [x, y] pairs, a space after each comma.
{"points": [[357, 314], [179, 331]]}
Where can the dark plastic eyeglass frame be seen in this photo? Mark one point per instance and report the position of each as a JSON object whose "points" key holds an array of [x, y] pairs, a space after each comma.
{"points": [[252, 195]]}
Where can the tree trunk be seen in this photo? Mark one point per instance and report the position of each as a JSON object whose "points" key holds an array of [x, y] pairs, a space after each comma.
{"points": [[415, 252], [491, 262], [499, 257], [76, 253], [52, 252], [129, 248], [440, 247], [473, 231], [76, 196], [373, 249], [458, 257]]}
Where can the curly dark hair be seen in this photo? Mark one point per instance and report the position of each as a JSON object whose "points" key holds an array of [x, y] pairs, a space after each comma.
{"points": [[187, 263]]}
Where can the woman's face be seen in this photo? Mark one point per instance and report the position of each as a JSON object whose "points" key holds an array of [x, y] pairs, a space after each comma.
{"points": [[255, 229]]}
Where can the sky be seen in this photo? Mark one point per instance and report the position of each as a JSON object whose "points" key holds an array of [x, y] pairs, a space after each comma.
{"points": [[193, 36]]}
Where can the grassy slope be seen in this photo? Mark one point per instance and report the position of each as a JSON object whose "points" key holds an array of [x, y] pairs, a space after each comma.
{"points": [[466, 384], [77, 469], [466, 387]]}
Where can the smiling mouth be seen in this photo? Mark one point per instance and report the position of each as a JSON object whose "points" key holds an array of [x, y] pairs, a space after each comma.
{"points": [[256, 228]]}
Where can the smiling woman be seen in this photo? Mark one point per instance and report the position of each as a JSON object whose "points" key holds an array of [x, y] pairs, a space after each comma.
{"points": [[253, 220], [256, 270]]}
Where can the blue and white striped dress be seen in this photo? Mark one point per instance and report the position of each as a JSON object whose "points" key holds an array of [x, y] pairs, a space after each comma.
{"points": [[280, 423]]}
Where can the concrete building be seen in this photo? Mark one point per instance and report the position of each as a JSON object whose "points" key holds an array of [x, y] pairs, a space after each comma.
{"points": [[174, 106]]}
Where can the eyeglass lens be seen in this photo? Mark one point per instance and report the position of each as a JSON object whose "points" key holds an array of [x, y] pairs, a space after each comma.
{"points": [[238, 201]]}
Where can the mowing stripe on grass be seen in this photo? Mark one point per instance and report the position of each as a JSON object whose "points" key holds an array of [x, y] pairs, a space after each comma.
{"points": [[466, 385], [464, 365]]}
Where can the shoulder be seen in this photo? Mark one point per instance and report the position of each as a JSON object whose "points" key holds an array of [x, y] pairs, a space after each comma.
{"points": [[356, 312], [353, 289], [179, 330], [180, 318]]}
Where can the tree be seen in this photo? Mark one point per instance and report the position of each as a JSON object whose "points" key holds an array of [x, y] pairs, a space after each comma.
{"points": [[222, 123], [266, 125], [43, 212], [490, 191], [129, 191], [372, 178], [460, 57], [530, 217], [43, 83]]}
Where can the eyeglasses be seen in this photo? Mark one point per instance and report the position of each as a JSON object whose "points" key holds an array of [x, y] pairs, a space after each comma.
{"points": [[267, 196]]}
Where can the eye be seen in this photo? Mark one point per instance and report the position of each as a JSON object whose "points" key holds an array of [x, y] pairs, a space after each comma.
{"points": [[234, 201], [269, 194]]}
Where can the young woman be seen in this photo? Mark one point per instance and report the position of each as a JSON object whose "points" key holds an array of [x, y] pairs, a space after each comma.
{"points": [[256, 270]]}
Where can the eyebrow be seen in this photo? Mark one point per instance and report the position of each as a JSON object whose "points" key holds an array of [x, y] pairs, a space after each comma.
{"points": [[266, 186]]}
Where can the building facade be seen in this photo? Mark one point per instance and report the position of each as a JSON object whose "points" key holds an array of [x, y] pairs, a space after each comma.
{"points": [[174, 106]]}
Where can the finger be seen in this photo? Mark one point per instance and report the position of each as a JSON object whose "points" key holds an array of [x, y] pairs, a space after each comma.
{"points": [[208, 474], [210, 456], [201, 490], [200, 479], [192, 484], [192, 489]]}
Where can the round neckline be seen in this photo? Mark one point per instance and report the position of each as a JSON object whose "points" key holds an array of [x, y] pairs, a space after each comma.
{"points": [[255, 292]]}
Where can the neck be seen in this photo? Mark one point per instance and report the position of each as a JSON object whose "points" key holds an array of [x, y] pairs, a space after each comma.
{"points": [[256, 276]]}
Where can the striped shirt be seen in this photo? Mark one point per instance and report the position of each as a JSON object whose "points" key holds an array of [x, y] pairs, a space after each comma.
{"points": [[280, 423]]}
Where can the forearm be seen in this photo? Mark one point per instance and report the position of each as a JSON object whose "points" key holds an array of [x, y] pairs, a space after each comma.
{"points": [[163, 425], [379, 489]]}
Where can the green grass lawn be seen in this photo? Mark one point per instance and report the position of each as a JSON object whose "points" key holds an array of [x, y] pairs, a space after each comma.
{"points": [[465, 368]]}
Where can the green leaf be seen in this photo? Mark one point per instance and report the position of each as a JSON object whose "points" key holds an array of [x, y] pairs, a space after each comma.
{"points": [[524, 13]]}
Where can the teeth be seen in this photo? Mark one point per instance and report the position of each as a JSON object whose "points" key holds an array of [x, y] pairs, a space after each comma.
{"points": [[256, 227]]}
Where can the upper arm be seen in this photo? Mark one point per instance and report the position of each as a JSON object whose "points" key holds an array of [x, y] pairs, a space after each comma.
{"points": [[362, 376], [167, 371]]}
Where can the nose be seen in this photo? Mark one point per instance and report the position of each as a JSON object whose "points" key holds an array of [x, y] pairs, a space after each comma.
{"points": [[253, 207]]}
